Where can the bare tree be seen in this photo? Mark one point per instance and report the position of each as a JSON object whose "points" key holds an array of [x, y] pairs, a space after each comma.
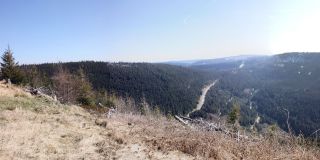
{"points": [[64, 85], [288, 117]]}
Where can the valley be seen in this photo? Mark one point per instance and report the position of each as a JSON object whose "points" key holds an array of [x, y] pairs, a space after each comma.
{"points": [[265, 87]]}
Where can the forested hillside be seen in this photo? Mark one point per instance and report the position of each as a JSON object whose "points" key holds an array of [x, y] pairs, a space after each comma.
{"points": [[269, 87], [281, 89], [173, 89]]}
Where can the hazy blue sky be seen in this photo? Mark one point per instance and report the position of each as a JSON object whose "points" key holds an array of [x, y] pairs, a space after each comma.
{"points": [[156, 30]]}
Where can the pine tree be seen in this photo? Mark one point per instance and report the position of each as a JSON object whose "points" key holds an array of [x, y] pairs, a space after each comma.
{"points": [[234, 115], [9, 68], [85, 93]]}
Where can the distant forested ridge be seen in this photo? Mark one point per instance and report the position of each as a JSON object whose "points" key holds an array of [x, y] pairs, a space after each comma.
{"points": [[173, 89]]}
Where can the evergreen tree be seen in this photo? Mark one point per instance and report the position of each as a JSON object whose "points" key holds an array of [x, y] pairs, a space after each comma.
{"points": [[234, 115], [9, 68], [35, 78], [32, 77], [85, 93]]}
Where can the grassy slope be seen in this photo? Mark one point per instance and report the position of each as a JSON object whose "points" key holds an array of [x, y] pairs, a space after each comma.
{"points": [[35, 128]]}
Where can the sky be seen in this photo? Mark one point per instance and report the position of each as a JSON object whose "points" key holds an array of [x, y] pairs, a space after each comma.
{"points": [[40, 31]]}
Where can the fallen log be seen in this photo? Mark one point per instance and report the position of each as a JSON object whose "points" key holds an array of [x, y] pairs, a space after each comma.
{"points": [[41, 93], [181, 120], [204, 125], [186, 118]]}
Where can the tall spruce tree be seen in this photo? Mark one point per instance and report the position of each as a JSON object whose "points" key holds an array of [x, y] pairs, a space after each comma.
{"points": [[9, 68]]}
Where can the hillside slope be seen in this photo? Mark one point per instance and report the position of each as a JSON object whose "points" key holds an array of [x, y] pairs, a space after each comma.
{"points": [[173, 89], [37, 128]]}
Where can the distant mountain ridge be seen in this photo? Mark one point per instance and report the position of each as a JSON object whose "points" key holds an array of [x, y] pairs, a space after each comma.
{"points": [[231, 59]]}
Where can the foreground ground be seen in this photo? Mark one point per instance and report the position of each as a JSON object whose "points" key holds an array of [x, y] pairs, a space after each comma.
{"points": [[37, 128]]}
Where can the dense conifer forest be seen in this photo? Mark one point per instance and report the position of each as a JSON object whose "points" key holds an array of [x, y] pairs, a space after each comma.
{"points": [[172, 89]]}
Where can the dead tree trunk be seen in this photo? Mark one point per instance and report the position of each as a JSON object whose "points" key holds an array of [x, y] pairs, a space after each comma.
{"points": [[288, 117]]}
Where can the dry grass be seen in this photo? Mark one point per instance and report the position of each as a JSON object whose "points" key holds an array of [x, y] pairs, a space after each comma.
{"points": [[166, 135], [55, 133], [36, 128], [69, 133], [11, 91]]}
